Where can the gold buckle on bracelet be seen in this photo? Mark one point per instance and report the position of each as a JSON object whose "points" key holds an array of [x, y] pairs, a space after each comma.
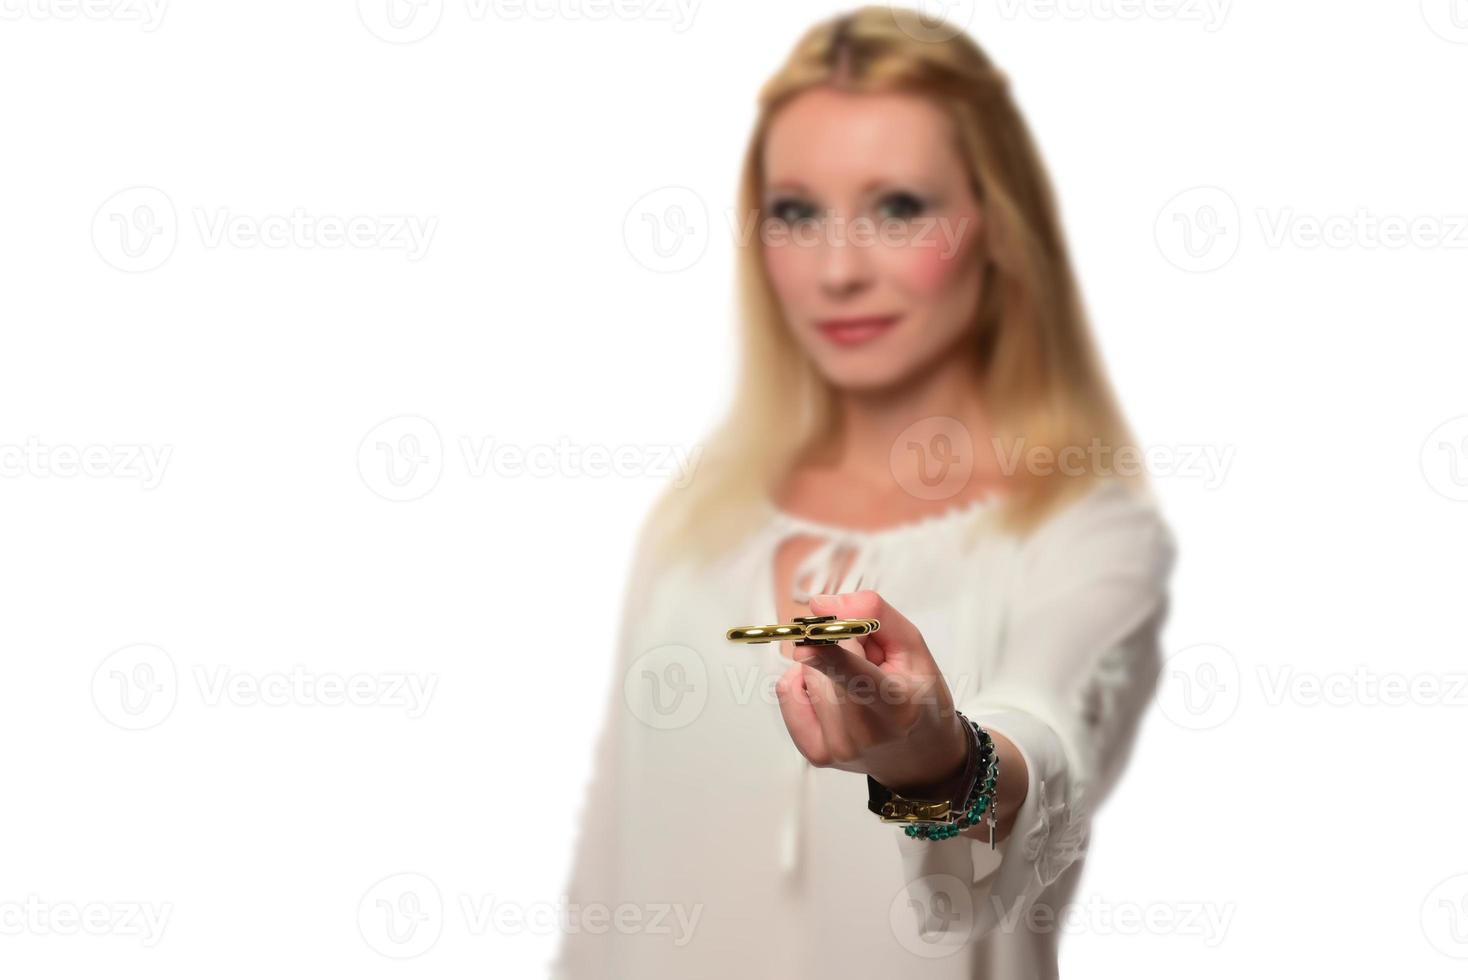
{"points": [[901, 810]]}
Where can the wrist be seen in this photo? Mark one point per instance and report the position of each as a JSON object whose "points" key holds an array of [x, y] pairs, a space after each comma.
{"points": [[941, 779]]}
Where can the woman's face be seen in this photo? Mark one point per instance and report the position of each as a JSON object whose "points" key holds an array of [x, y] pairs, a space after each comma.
{"points": [[872, 235]]}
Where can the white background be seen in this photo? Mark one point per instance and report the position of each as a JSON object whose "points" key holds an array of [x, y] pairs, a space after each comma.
{"points": [[1310, 804]]}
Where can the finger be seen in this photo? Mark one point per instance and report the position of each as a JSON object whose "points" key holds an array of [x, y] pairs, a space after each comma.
{"points": [[897, 637], [826, 702], [800, 716]]}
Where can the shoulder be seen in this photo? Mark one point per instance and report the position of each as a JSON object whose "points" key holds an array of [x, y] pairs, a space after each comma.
{"points": [[1112, 527]]}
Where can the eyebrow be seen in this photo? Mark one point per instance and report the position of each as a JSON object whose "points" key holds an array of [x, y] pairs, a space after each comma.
{"points": [[866, 188]]}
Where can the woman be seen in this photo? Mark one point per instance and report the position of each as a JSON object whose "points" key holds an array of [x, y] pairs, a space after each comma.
{"points": [[922, 434]]}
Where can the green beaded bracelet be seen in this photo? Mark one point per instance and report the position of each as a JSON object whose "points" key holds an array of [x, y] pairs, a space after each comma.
{"points": [[983, 798]]}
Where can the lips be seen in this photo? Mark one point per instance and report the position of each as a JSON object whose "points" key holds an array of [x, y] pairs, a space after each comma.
{"points": [[850, 331]]}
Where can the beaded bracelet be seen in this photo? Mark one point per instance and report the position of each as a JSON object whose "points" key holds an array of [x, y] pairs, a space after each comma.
{"points": [[983, 798]]}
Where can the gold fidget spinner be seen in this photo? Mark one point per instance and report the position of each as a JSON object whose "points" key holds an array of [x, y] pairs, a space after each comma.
{"points": [[806, 631]]}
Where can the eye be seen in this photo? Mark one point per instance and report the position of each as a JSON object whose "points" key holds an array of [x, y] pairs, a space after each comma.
{"points": [[901, 206], [790, 210]]}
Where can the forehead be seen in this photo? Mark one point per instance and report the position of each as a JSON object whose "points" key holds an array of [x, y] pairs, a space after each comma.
{"points": [[829, 136]]}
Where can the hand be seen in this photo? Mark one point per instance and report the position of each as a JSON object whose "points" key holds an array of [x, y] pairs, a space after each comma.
{"points": [[877, 704]]}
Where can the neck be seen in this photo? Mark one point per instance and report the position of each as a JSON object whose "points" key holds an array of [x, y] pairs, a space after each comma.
{"points": [[917, 411]]}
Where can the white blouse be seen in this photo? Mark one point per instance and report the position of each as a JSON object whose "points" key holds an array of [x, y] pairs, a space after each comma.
{"points": [[709, 848]]}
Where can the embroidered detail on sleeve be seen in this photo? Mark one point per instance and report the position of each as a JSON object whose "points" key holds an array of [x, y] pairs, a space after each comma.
{"points": [[1058, 839]]}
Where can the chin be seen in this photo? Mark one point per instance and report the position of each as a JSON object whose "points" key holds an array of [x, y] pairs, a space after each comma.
{"points": [[867, 370]]}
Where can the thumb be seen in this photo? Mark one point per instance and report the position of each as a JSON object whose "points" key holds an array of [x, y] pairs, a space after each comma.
{"points": [[897, 640]]}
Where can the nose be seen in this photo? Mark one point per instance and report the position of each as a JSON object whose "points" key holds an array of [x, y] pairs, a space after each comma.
{"points": [[845, 265]]}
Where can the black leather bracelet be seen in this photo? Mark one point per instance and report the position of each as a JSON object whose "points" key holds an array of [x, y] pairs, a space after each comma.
{"points": [[939, 819]]}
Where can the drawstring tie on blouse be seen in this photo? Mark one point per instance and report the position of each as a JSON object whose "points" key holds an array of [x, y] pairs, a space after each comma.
{"points": [[820, 573]]}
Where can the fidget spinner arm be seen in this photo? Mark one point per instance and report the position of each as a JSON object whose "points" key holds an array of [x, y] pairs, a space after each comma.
{"points": [[806, 631]]}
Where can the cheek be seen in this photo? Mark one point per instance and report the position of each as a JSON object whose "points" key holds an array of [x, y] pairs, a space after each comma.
{"points": [[788, 271], [941, 263], [928, 273]]}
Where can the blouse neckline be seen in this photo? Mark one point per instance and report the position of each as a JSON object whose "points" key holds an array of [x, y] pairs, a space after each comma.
{"points": [[951, 514]]}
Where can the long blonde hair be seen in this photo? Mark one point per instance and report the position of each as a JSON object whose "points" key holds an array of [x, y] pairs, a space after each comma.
{"points": [[1042, 377]]}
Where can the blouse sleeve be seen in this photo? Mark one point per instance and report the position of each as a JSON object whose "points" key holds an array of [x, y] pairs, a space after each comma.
{"points": [[1078, 663], [582, 953]]}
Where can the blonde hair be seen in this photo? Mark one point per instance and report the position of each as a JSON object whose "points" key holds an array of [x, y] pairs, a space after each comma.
{"points": [[1042, 377]]}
